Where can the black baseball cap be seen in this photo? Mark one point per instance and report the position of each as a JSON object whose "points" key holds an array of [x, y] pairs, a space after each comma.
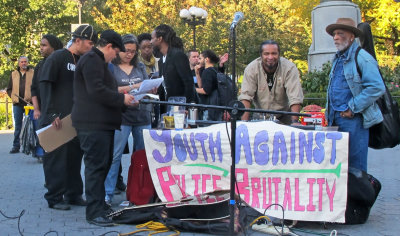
{"points": [[85, 32], [114, 38]]}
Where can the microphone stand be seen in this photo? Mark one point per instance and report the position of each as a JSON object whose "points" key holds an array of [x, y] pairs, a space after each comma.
{"points": [[236, 110], [233, 139]]}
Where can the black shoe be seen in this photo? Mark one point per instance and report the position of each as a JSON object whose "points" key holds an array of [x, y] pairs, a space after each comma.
{"points": [[108, 211], [60, 206], [78, 201], [101, 221], [14, 150], [120, 184], [117, 191]]}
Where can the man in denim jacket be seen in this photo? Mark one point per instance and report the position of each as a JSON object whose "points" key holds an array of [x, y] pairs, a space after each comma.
{"points": [[351, 99]]}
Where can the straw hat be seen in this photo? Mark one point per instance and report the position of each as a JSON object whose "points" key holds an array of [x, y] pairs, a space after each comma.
{"points": [[344, 24]]}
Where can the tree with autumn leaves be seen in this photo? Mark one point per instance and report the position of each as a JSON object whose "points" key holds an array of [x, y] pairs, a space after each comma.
{"points": [[22, 22]]}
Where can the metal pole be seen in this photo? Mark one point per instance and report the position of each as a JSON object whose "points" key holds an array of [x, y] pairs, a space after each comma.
{"points": [[7, 112], [232, 202], [234, 61], [194, 36], [80, 11]]}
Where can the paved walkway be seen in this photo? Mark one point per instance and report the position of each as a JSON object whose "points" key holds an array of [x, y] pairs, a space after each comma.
{"points": [[22, 190]]}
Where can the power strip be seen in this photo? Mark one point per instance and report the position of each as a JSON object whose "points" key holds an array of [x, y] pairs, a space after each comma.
{"points": [[270, 229]]}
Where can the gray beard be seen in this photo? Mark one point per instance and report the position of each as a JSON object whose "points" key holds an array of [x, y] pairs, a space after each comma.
{"points": [[343, 46]]}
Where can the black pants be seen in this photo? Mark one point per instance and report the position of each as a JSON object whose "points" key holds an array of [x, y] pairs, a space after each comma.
{"points": [[62, 172], [98, 146]]}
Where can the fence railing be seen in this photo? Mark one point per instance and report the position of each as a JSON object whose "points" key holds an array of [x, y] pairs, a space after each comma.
{"points": [[8, 112]]}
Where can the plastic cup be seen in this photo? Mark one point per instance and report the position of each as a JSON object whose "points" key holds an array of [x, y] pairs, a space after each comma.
{"points": [[179, 121]]}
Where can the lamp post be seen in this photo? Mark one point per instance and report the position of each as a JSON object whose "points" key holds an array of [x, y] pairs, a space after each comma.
{"points": [[194, 16]]}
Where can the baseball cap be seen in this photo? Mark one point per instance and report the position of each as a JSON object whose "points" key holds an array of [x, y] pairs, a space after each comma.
{"points": [[114, 38], [85, 32]]}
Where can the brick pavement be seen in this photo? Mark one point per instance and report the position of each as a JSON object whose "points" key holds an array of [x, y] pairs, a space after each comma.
{"points": [[22, 189]]}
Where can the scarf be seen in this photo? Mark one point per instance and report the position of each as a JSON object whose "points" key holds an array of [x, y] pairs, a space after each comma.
{"points": [[149, 64]]}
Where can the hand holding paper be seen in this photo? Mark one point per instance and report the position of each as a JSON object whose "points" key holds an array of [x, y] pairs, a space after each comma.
{"points": [[147, 88]]}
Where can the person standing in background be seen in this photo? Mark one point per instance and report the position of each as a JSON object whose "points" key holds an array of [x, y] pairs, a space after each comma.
{"points": [[146, 55], [48, 45], [19, 90], [174, 65]]}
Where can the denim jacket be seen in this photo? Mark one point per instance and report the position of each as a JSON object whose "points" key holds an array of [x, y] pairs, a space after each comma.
{"points": [[365, 90]]}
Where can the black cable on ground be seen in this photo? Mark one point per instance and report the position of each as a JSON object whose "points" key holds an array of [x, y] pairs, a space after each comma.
{"points": [[51, 231], [15, 217], [109, 232]]}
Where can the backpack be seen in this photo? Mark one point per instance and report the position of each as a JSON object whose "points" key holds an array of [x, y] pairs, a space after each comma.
{"points": [[387, 133], [362, 192], [140, 189], [225, 89], [222, 96]]}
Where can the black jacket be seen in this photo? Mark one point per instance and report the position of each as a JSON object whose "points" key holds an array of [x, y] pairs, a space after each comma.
{"points": [[178, 77], [97, 103], [55, 85]]}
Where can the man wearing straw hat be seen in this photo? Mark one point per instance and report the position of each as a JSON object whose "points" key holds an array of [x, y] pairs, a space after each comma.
{"points": [[351, 96]]}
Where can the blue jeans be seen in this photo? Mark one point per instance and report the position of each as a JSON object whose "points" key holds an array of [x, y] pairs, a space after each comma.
{"points": [[18, 113], [358, 139], [120, 140]]}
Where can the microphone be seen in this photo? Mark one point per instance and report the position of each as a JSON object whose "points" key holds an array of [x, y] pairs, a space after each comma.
{"points": [[237, 18]]}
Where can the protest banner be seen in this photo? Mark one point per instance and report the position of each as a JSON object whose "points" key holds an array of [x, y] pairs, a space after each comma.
{"points": [[304, 171]]}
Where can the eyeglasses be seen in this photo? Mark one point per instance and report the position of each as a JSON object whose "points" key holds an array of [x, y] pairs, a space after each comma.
{"points": [[130, 51]]}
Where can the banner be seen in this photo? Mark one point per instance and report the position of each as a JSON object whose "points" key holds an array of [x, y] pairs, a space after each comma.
{"points": [[303, 171]]}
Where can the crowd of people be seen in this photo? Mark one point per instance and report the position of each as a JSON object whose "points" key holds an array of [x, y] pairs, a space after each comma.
{"points": [[91, 79]]}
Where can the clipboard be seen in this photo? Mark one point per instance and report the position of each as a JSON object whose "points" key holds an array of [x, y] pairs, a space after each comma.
{"points": [[50, 138]]}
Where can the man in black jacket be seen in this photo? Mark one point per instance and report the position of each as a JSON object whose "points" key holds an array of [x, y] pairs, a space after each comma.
{"points": [[174, 65], [96, 114], [62, 166]]}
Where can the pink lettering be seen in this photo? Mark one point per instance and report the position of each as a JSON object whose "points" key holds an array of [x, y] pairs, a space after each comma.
{"points": [[320, 182], [265, 204], [243, 183], [311, 206], [180, 181], [204, 179], [215, 179], [166, 181], [297, 206], [276, 181], [196, 179], [287, 199], [256, 189], [331, 193]]}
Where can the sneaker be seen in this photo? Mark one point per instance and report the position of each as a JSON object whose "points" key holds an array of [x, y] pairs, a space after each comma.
{"points": [[14, 150]]}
